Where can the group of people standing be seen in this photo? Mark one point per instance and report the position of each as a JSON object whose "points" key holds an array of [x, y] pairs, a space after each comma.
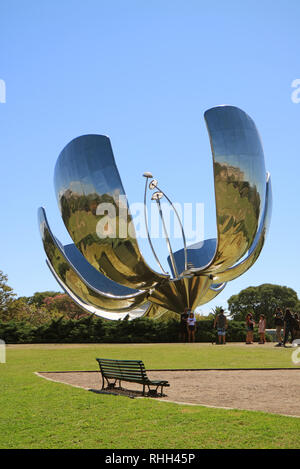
{"points": [[188, 326], [250, 324], [287, 322], [290, 323]]}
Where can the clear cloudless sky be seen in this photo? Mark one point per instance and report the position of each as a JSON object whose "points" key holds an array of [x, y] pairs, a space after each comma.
{"points": [[144, 72]]}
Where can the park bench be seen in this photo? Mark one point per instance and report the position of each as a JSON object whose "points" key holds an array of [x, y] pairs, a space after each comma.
{"points": [[128, 370]]}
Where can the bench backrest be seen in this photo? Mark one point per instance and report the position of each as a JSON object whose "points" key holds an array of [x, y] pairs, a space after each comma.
{"points": [[122, 369]]}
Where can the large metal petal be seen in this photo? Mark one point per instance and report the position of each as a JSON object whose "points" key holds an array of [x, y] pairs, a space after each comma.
{"points": [[175, 295], [84, 291], [92, 277], [95, 211], [211, 293], [134, 313], [258, 243], [199, 255], [157, 312], [239, 177]]}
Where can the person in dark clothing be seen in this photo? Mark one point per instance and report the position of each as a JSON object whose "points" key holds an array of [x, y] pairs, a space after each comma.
{"points": [[296, 326], [221, 324], [183, 333], [287, 326], [278, 320], [250, 328]]}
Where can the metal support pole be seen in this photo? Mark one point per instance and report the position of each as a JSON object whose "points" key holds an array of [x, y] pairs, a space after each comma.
{"points": [[182, 230], [146, 224], [167, 237]]}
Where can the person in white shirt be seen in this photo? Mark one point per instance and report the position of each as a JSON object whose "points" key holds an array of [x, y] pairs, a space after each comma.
{"points": [[191, 326]]}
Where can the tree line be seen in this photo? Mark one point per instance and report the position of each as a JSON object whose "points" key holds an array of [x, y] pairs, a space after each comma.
{"points": [[52, 316]]}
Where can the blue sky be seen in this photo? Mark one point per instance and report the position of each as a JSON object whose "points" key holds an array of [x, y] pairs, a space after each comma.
{"points": [[144, 72]]}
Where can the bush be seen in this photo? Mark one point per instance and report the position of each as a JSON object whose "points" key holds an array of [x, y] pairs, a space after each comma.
{"points": [[92, 329]]}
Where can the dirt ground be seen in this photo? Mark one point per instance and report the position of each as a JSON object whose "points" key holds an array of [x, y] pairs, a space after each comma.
{"points": [[274, 391]]}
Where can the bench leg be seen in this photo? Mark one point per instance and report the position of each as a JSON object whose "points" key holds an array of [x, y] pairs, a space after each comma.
{"points": [[110, 385], [152, 392], [103, 383]]}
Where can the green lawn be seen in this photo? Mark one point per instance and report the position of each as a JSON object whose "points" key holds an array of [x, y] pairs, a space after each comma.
{"points": [[37, 413]]}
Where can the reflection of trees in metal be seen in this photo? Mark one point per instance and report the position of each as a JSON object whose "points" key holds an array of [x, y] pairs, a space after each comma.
{"points": [[86, 167], [257, 245], [97, 294], [238, 215], [104, 270]]}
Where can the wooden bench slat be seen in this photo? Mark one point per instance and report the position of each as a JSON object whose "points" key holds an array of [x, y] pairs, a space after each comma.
{"points": [[122, 371], [115, 367], [110, 360], [124, 376]]}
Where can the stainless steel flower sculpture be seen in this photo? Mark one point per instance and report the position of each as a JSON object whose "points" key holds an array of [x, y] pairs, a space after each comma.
{"points": [[104, 271]]}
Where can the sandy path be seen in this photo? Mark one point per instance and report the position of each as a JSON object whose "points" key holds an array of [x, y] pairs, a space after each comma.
{"points": [[275, 391]]}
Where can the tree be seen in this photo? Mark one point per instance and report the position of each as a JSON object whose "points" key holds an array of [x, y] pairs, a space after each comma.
{"points": [[215, 312], [62, 303], [6, 295], [19, 310], [263, 299], [38, 298]]}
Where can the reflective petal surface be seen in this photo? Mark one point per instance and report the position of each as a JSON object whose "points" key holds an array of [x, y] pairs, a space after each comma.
{"points": [[95, 211], [80, 288], [199, 255], [239, 177], [104, 271], [211, 293], [258, 243], [175, 295], [132, 314], [91, 276]]}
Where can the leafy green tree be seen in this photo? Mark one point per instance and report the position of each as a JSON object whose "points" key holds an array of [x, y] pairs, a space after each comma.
{"points": [[38, 298], [40, 308], [215, 311], [6, 296], [62, 303], [263, 299], [20, 310]]}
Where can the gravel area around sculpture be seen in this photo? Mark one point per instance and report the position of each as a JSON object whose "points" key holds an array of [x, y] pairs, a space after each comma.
{"points": [[274, 391]]}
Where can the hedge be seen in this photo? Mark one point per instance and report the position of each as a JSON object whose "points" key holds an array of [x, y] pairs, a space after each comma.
{"points": [[96, 330]]}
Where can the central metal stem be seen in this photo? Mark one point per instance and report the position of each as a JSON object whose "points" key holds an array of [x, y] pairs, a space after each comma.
{"points": [[147, 228], [167, 238], [182, 230]]}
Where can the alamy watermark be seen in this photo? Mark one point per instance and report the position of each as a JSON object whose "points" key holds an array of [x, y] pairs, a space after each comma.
{"points": [[2, 91], [2, 351], [296, 353], [295, 96], [115, 221]]}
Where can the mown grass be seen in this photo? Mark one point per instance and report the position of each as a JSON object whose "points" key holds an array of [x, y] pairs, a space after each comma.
{"points": [[36, 413]]}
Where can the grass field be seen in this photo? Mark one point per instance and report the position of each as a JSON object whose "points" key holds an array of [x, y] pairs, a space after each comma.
{"points": [[36, 413]]}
